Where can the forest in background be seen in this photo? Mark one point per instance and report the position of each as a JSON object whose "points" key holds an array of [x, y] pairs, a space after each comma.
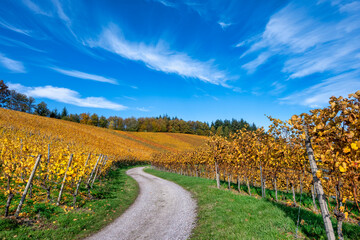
{"points": [[11, 99]]}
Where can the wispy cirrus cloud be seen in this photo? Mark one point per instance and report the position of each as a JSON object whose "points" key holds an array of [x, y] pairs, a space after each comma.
{"points": [[12, 42], [11, 27], [319, 94], [159, 57], [167, 3], [66, 95], [12, 65], [130, 98], [143, 109], [83, 75], [308, 41], [259, 60], [224, 25], [60, 12], [53, 9], [36, 8]]}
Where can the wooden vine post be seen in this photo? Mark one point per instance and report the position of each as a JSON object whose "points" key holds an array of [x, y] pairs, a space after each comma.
{"points": [[64, 181], [313, 194], [46, 178], [229, 181], [78, 183], [248, 186], [101, 167], [93, 171], [262, 182], [27, 186], [217, 174], [97, 170], [91, 174], [319, 189], [275, 188]]}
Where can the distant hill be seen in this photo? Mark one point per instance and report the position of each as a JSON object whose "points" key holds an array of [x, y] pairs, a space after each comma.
{"points": [[140, 145]]}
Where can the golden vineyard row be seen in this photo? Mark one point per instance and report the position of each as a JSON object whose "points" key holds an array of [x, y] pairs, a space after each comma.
{"points": [[278, 159], [92, 151], [69, 155]]}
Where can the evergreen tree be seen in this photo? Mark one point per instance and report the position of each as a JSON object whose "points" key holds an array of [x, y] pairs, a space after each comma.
{"points": [[212, 129], [219, 131], [226, 131], [74, 118], [64, 113], [55, 114]]}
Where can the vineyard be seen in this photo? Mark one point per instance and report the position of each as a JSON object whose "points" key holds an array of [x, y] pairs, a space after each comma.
{"points": [[278, 159], [59, 162]]}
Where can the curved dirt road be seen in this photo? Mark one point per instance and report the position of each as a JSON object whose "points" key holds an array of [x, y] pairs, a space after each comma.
{"points": [[163, 210]]}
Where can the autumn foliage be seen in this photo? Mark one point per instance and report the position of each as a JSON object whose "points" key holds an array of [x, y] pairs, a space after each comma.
{"points": [[277, 158], [92, 150]]}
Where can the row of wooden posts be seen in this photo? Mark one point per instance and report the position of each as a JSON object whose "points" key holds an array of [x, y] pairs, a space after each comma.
{"points": [[316, 189], [95, 173]]}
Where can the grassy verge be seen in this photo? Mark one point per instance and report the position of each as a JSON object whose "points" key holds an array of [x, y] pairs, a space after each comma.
{"points": [[224, 214], [115, 195]]}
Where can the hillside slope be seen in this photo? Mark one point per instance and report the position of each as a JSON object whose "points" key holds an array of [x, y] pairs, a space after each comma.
{"points": [[140, 145]]}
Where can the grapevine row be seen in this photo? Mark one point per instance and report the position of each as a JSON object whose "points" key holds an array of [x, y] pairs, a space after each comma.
{"points": [[279, 158], [48, 162]]}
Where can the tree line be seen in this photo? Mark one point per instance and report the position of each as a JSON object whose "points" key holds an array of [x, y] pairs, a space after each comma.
{"points": [[14, 100]]}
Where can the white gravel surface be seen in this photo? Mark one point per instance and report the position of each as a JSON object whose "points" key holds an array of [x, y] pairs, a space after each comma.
{"points": [[163, 210]]}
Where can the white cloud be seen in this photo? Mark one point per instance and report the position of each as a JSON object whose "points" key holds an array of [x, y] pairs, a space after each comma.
{"points": [[61, 13], [11, 27], [142, 109], [35, 8], [350, 7], [159, 57], [82, 75], [252, 65], [66, 95], [248, 41], [335, 58], [130, 98], [11, 64], [224, 25], [64, 18], [166, 3], [277, 88], [12, 42], [309, 41], [319, 94]]}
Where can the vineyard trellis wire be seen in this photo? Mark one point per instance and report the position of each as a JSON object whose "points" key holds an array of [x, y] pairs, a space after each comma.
{"points": [[280, 157], [40, 164]]}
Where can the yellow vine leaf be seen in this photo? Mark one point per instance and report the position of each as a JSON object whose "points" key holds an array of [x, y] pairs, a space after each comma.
{"points": [[346, 150], [354, 146], [346, 215], [342, 169]]}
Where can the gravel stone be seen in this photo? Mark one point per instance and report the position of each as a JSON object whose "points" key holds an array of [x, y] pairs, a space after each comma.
{"points": [[163, 210]]}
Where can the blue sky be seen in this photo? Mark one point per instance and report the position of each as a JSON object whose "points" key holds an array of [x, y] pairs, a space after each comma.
{"points": [[197, 60]]}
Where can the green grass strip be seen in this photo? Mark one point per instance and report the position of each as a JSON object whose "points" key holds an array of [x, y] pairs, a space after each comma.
{"points": [[224, 214], [115, 195]]}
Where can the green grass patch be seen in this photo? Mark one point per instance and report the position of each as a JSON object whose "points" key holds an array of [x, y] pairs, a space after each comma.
{"points": [[224, 214], [117, 192]]}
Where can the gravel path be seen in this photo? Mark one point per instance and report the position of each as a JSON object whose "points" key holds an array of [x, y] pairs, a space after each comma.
{"points": [[163, 210]]}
